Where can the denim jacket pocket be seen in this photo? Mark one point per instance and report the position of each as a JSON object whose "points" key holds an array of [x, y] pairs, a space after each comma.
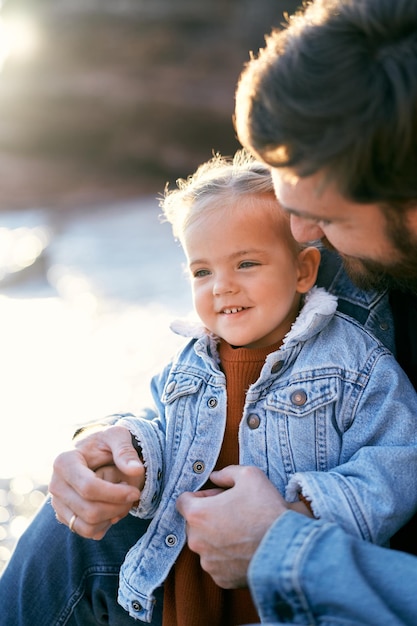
{"points": [[180, 384], [302, 397], [298, 415]]}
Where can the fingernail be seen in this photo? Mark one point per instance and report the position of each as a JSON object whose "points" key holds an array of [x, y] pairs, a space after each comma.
{"points": [[133, 463]]}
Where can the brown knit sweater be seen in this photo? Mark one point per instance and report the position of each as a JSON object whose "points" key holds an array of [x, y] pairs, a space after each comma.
{"points": [[191, 598]]}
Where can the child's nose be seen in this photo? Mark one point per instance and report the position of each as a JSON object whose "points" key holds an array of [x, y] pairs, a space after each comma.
{"points": [[223, 285]]}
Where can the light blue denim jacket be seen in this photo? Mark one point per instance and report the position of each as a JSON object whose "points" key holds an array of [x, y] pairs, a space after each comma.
{"points": [[326, 406]]}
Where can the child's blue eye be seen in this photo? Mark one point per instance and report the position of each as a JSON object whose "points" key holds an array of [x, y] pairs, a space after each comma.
{"points": [[248, 264], [201, 273]]}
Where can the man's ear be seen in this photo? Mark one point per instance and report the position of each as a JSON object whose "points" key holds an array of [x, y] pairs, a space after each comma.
{"points": [[308, 266]]}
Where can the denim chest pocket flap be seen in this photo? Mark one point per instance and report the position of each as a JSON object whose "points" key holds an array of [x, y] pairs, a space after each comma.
{"points": [[303, 397], [180, 384]]}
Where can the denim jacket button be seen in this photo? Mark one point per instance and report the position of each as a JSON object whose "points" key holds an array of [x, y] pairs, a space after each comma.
{"points": [[212, 403], [253, 421], [136, 606], [299, 397], [198, 467], [277, 367], [384, 325], [171, 540], [171, 386]]}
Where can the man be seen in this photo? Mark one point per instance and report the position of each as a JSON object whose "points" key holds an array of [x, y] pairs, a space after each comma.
{"points": [[331, 106]]}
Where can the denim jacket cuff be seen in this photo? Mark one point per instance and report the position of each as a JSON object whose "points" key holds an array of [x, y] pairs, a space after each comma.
{"points": [[273, 572], [142, 430]]}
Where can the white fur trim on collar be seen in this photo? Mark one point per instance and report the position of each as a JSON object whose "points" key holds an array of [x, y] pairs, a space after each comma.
{"points": [[319, 307], [188, 327]]}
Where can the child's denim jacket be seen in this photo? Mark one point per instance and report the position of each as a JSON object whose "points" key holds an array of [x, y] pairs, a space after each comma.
{"points": [[332, 416]]}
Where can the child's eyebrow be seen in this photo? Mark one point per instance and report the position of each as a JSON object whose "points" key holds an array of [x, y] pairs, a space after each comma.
{"points": [[197, 261], [247, 251], [234, 255]]}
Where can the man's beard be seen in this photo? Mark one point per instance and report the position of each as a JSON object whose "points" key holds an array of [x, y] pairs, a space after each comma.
{"points": [[373, 275]]}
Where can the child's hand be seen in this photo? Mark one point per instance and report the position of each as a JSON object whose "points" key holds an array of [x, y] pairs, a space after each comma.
{"points": [[112, 474]]}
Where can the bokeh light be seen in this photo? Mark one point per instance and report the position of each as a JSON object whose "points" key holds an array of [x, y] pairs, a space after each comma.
{"points": [[19, 38], [21, 247]]}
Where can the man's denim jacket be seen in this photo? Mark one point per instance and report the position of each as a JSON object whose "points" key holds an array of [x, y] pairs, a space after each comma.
{"points": [[331, 416]]}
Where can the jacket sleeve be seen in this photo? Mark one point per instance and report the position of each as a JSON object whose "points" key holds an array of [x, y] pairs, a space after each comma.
{"points": [[310, 572], [149, 430], [371, 493]]}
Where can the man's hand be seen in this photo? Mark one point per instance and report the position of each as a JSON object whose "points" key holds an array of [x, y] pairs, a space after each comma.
{"points": [[225, 526], [100, 499]]}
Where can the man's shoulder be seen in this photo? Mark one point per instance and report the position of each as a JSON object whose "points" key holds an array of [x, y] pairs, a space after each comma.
{"points": [[370, 308], [333, 277]]}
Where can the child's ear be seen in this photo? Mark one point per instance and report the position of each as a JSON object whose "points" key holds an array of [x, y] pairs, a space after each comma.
{"points": [[308, 266]]}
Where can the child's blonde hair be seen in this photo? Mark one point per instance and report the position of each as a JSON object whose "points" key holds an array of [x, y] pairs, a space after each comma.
{"points": [[218, 182]]}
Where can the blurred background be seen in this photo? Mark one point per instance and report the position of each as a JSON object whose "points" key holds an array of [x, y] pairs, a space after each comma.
{"points": [[101, 104]]}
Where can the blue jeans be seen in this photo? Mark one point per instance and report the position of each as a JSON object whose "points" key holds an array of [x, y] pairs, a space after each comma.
{"points": [[55, 577]]}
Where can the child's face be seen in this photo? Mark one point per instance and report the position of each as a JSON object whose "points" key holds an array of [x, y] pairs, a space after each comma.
{"points": [[245, 272]]}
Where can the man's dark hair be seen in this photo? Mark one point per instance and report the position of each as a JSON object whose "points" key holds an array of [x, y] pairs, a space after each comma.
{"points": [[336, 91]]}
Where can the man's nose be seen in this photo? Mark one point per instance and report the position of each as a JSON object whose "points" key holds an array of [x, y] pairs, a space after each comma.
{"points": [[305, 230]]}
